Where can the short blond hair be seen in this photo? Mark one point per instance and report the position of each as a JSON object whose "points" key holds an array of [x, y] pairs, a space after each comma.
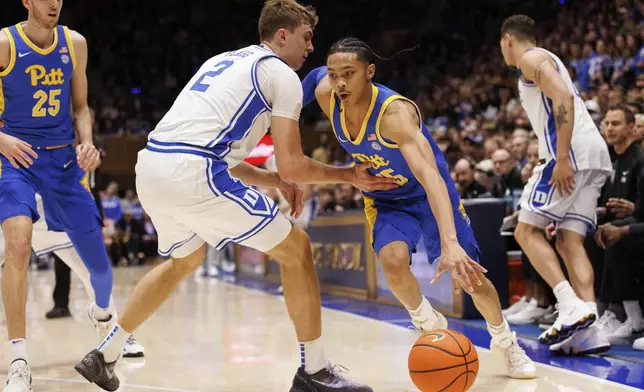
{"points": [[284, 14]]}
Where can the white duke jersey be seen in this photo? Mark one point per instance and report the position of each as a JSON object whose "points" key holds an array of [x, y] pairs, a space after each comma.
{"points": [[588, 150], [226, 108]]}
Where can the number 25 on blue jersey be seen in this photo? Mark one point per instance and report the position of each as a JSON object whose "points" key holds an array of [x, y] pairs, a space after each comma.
{"points": [[203, 83]]}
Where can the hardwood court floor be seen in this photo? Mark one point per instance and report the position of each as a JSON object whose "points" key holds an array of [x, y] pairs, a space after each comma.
{"points": [[220, 337]]}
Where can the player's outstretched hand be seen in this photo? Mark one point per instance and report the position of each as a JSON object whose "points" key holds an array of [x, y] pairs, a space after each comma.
{"points": [[563, 177], [293, 194], [463, 269], [88, 157], [18, 153], [367, 182]]}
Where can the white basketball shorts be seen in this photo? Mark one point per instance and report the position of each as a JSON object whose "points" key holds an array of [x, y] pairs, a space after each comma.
{"points": [[191, 200], [542, 204]]}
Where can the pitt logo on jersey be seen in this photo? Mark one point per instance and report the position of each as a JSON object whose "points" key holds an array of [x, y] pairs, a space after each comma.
{"points": [[41, 77], [378, 162]]}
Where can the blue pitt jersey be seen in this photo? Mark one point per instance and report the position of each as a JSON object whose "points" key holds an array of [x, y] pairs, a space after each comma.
{"points": [[384, 155], [36, 89]]}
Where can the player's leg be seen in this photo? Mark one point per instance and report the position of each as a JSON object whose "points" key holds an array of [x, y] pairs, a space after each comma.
{"points": [[504, 342], [395, 231], [70, 207], [17, 212], [543, 205], [570, 245]]}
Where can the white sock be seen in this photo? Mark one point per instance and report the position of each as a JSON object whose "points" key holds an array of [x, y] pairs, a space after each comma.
{"points": [[113, 344], [633, 311], [312, 355], [501, 334], [423, 313], [18, 349], [593, 308], [101, 314], [564, 292]]}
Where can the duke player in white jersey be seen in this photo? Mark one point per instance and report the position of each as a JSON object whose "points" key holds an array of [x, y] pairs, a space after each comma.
{"points": [[189, 180], [43, 242], [563, 189]]}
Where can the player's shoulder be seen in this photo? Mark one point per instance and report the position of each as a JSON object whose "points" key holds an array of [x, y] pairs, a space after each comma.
{"points": [[76, 37], [533, 58], [400, 107], [5, 49]]}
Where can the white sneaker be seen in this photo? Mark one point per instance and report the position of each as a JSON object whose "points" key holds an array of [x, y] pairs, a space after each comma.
{"points": [[516, 307], [517, 362], [584, 342], [626, 331], [438, 321], [638, 344], [530, 314], [213, 272], [19, 379], [574, 316], [102, 327], [608, 323], [133, 349]]}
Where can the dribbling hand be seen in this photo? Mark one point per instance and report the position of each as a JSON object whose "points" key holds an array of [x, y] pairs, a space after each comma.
{"points": [[17, 152], [365, 181], [463, 269]]}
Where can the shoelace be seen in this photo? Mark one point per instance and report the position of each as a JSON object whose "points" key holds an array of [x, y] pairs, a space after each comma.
{"points": [[337, 369], [517, 355], [20, 373], [131, 340]]}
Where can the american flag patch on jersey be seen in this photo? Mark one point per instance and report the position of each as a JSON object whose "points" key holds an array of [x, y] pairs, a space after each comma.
{"points": [[63, 50], [371, 137]]}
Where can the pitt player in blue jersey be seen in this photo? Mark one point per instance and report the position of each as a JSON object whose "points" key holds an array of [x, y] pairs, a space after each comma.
{"points": [[43, 83], [375, 124]]}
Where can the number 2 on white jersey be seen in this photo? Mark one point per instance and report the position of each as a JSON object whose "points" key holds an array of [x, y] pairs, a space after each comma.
{"points": [[203, 83]]}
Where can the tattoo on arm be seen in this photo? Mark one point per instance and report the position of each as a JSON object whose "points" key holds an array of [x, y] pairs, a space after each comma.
{"points": [[560, 117], [539, 71]]}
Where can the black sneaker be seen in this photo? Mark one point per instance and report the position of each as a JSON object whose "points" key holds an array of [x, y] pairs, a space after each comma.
{"points": [[58, 312], [326, 380], [94, 369]]}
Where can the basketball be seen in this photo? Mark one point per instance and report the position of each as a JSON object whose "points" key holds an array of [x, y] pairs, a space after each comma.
{"points": [[443, 360]]}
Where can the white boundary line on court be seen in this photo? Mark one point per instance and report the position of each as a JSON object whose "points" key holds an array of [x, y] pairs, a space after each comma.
{"points": [[485, 349], [147, 387]]}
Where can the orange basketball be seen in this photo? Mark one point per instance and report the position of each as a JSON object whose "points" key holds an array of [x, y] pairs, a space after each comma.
{"points": [[443, 361]]}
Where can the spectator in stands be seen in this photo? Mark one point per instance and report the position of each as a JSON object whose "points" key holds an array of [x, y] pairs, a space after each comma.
{"points": [[149, 241], [129, 234], [468, 187], [532, 160], [616, 271], [520, 149], [131, 203], [111, 202], [507, 172], [344, 198]]}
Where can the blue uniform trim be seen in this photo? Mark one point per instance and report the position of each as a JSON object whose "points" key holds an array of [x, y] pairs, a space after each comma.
{"points": [[243, 237], [239, 128], [176, 246], [54, 248], [233, 120], [184, 148]]}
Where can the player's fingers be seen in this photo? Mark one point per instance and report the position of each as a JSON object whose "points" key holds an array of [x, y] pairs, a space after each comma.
{"points": [[25, 158], [12, 161], [473, 274], [300, 203], [463, 277], [27, 148], [20, 161], [438, 274], [477, 266], [456, 285]]}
